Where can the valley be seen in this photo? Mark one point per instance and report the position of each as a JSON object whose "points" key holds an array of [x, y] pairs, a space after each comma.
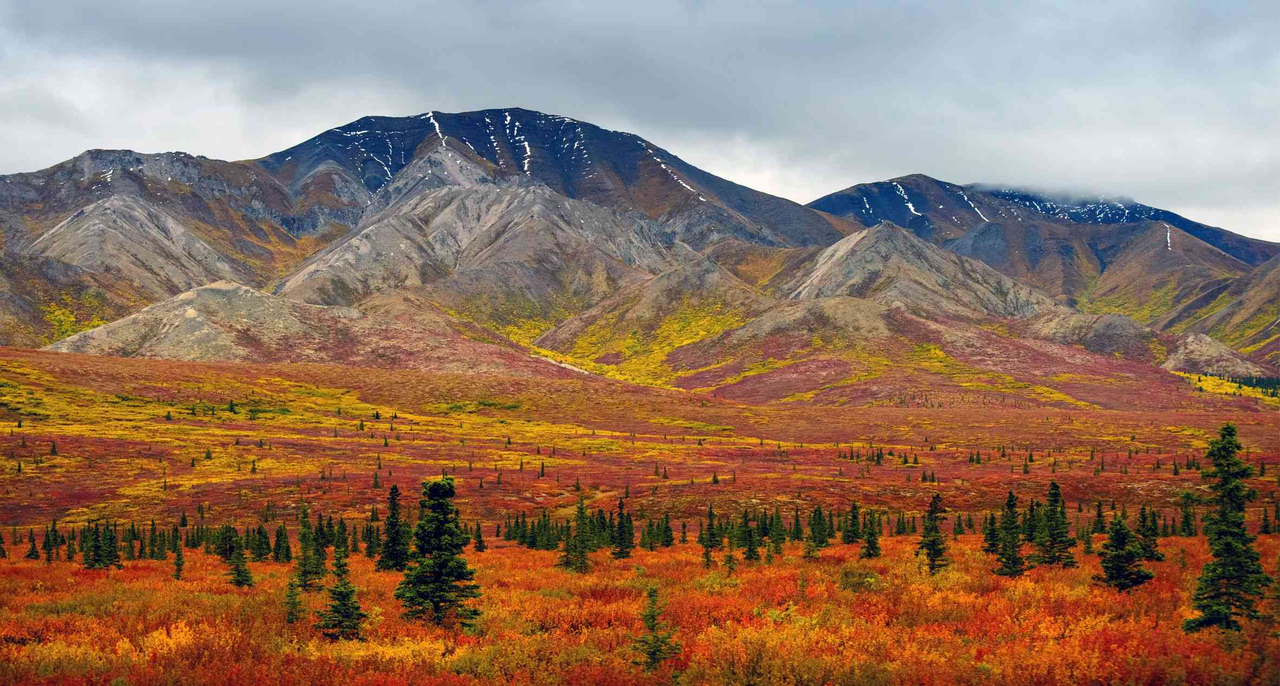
{"points": [[897, 435]]}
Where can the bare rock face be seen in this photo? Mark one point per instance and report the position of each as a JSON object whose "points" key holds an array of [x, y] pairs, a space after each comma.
{"points": [[1109, 334], [489, 250], [1199, 354], [132, 239], [221, 321], [226, 321], [891, 266]]}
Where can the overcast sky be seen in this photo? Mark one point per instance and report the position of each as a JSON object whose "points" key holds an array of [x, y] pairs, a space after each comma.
{"points": [[1175, 104]]}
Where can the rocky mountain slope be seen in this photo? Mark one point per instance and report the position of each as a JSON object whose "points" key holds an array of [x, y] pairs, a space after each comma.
{"points": [[1101, 255], [939, 211], [160, 223], [577, 160], [228, 321], [1244, 313], [506, 236]]}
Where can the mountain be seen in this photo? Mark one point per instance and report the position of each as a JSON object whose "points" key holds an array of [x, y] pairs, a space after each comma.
{"points": [[1104, 211], [939, 211], [228, 321], [1244, 313], [43, 299], [1152, 272], [513, 240], [561, 211], [830, 324], [576, 160], [892, 266], [159, 224], [1101, 255]]}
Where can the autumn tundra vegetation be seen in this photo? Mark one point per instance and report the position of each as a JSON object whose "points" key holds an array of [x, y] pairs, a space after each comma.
{"points": [[170, 522]]}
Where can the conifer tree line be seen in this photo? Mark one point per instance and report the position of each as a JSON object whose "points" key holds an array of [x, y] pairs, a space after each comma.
{"points": [[437, 582]]}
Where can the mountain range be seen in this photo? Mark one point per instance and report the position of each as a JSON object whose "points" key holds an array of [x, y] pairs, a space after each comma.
{"points": [[510, 241]]}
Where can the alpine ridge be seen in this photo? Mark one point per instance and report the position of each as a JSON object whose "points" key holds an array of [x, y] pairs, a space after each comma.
{"points": [[520, 239]]}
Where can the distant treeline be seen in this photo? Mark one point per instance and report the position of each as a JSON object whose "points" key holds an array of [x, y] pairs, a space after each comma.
{"points": [[1269, 385]]}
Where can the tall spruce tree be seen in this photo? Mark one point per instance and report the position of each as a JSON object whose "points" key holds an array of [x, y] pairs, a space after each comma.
{"points": [[1010, 554], [990, 534], [655, 644], [179, 561], [438, 582], [310, 562], [344, 616], [282, 551], [239, 572], [624, 537], [751, 548], [1053, 537], [1232, 583], [110, 549], [1149, 535], [1121, 556], [932, 542], [394, 551], [852, 530], [574, 555], [871, 539]]}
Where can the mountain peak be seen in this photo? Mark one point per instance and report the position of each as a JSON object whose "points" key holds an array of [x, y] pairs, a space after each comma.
{"points": [[891, 265]]}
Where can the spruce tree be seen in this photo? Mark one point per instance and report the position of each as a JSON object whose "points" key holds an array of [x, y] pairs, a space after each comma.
{"points": [[282, 551], [310, 563], [109, 555], [574, 556], [292, 601], [395, 541], [731, 560], [343, 618], [1010, 554], [852, 531], [871, 539], [1233, 581], [438, 582], [1149, 535], [239, 572], [1120, 559], [625, 537], [932, 542], [655, 644], [750, 551], [1053, 539], [990, 535], [179, 561]]}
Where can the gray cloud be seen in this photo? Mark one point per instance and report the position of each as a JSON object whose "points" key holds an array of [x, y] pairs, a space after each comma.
{"points": [[1176, 104]]}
